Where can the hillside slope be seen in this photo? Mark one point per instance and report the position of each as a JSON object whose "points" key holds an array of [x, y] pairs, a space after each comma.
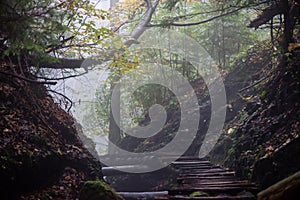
{"points": [[249, 69], [262, 142], [41, 154], [260, 137]]}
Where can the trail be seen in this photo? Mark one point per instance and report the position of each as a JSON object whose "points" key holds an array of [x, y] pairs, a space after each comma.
{"points": [[197, 179]]}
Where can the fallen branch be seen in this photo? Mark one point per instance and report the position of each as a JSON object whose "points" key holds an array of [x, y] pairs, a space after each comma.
{"points": [[64, 96], [252, 85], [61, 78]]}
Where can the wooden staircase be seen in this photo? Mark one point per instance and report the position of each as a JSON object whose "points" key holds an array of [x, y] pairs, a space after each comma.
{"points": [[199, 179]]}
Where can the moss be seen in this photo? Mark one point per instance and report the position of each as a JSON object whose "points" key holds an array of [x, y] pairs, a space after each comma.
{"points": [[98, 190], [198, 194], [231, 151]]}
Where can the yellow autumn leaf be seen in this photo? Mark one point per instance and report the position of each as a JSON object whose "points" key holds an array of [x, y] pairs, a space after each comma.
{"points": [[248, 98], [293, 46]]}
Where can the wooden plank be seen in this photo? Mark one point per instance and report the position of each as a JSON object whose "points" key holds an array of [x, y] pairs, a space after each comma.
{"points": [[205, 166], [184, 164], [187, 158], [219, 185], [204, 171], [208, 174], [220, 182], [142, 195], [215, 181], [200, 167], [190, 162], [242, 197], [211, 189], [207, 178]]}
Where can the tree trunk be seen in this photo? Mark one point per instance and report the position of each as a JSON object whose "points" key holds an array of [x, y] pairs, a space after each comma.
{"points": [[114, 129], [288, 29]]}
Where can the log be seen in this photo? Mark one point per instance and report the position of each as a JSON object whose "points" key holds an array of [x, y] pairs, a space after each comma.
{"points": [[119, 170], [142, 195], [288, 188]]}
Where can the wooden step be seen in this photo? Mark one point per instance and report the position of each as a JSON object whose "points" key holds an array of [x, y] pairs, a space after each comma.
{"points": [[226, 173], [228, 184], [215, 181], [242, 197], [212, 190], [195, 167], [190, 162], [187, 177], [204, 171], [206, 179]]}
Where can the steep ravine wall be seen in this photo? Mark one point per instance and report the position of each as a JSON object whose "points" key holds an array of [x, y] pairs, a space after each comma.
{"points": [[41, 155]]}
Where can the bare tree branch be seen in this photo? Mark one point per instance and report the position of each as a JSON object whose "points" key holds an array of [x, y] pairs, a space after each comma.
{"points": [[61, 78], [197, 23], [27, 79], [206, 20], [55, 47], [64, 96]]}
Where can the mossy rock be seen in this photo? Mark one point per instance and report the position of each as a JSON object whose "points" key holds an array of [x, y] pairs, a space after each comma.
{"points": [[98, 190]]}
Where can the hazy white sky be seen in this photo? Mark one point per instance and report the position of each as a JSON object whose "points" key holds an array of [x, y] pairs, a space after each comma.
{"points": [[102, 4]]}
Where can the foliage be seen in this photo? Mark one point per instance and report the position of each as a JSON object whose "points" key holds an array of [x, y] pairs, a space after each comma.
{"points": [[33, 29], [224, 39], [103, 107], [126, 12]]}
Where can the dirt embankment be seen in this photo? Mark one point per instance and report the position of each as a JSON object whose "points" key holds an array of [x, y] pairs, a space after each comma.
{"points": [[262, 141], [41, 154]]}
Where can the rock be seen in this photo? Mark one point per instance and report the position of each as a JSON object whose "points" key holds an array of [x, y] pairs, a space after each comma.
{"points": [[221, 150], [251, 107], [96, 190]]}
